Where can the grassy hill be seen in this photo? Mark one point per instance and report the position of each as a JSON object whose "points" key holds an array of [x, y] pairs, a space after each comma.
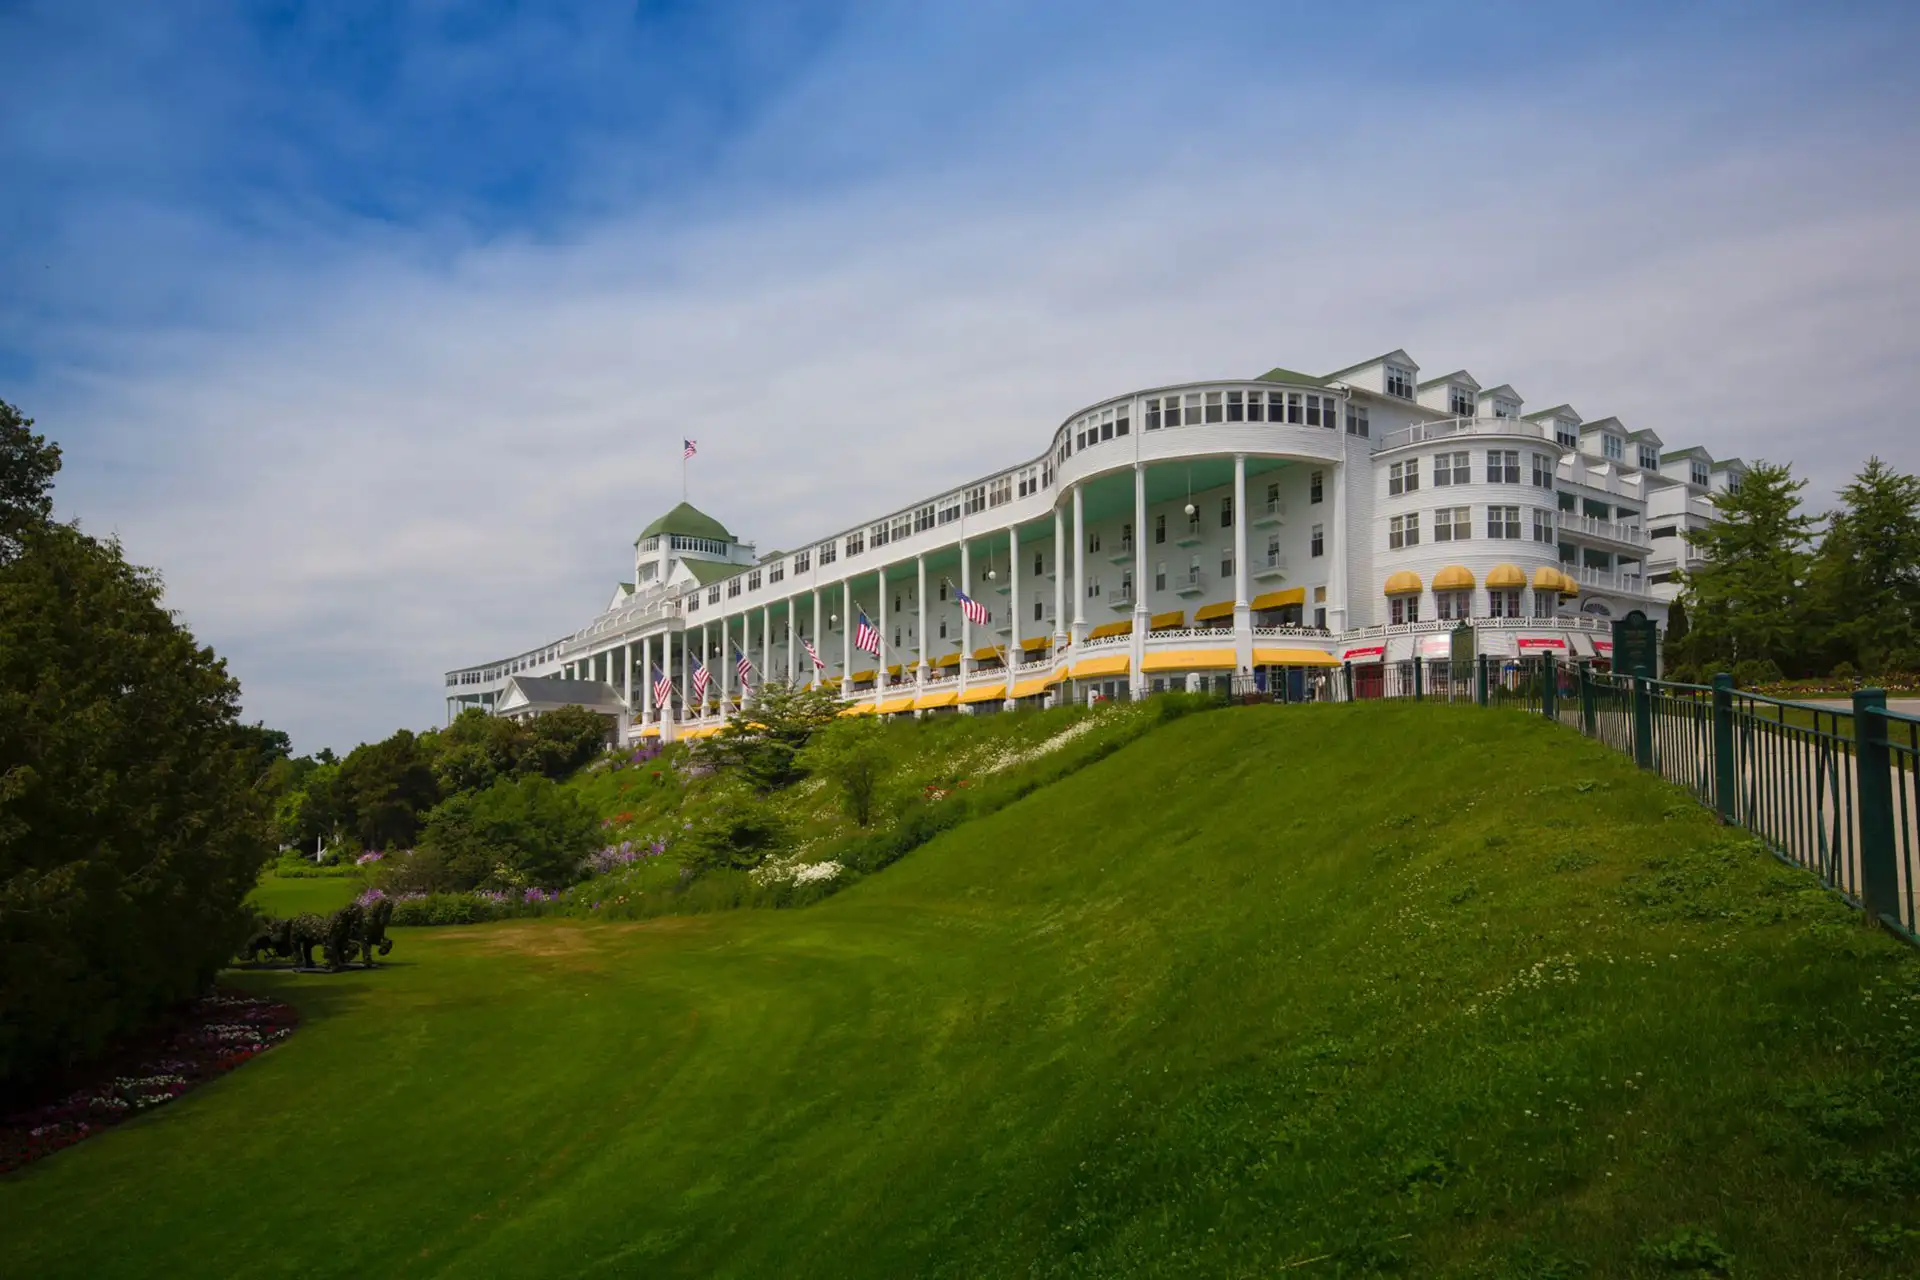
{"points": [[1343, 990]]}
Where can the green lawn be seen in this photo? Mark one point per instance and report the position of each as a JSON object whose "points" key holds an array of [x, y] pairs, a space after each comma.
{"points": [[1412, 989], [281, 896]]}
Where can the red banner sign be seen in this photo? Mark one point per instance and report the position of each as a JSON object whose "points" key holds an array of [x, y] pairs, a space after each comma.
{"points": [[1542, 642]]}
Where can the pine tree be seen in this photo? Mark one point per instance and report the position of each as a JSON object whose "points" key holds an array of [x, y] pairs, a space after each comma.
{"points": [[1865, 585], [1747, 603]]}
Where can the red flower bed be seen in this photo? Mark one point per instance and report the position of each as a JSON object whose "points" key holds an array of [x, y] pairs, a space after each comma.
{"points": [[210, 1037]]}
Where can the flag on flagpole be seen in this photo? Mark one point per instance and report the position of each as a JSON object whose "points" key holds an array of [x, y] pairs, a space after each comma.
{"points": [[688, 449], [814, 654], [741, 665], [662, 686], [972, 610], [866, 637], [699, 681]]}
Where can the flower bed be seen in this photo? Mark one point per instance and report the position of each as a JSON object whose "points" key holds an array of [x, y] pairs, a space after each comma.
{"points": [[217, 1033]]}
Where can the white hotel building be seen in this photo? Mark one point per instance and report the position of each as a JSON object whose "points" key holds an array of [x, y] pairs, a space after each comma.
{"points": [[1279, 525]]}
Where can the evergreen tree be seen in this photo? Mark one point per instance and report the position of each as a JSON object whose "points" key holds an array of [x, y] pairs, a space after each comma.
{"points": [[1865, 585], [1747, 603]]}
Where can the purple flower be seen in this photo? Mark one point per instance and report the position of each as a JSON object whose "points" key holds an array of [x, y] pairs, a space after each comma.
{"points": [[370, 897], [368, 858]]}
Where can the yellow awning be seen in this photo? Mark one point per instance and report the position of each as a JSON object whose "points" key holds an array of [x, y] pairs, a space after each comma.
{"points": [[1280, 599], [1037, 643], [1161, 621], [1059, 675], [857, 709], [893, 706], [944, 698], [861, 676], [831, 682], [985, 693], [1189, 660], [1208, 612], [1405, 582], [1107, 629], [1455, 577], [986, 652], [894, 670], [651, 731], [1568, 587], [1293, 658], [1504, 576], [1029, 688], [947, 660], [1106, 664], [1545, 578]]}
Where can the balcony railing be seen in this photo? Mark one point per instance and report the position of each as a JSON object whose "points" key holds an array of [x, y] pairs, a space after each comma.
{"points": [[1610, 530], [1632, 584], [1271, 565], [1453, 427], [1191, 583]]}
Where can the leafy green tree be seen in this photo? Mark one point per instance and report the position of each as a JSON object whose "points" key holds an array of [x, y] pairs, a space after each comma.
{"points": [[1747, 602], [851, 754], [1866, 575], [28, 463], [476, 749], [308, 813], [764, 745], [520, 831], [560, 741], [130, 828], [384, 790]]}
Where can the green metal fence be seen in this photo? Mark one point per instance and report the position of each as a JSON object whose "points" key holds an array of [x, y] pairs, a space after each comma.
{"points": [[1836, 792]]}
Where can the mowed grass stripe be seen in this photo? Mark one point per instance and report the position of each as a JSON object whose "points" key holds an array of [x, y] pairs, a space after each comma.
{"points": [[1266, 984]]}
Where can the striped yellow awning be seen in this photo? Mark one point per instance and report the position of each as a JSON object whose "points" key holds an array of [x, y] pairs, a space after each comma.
{"points": [[1293, 658], [1108, 629], [1406, 582], [1280, 599], [1189, 660], [1038, 644], [893, 706], [1209, 612], [1030, 688], [1106, 664], [942, 698], [1455, 577], [1505, 576], [985, 652], [994, 692], [947, 660], [1162, 621]]}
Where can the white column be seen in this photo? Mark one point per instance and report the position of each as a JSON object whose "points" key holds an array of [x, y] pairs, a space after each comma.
{"points": [[626, 669], [1079, 569], [1014, 652], [766, 643], [1337, 553], [966, 627], [819, 637], [793, 656], [1142, 612], [666, 651], [920, 603], [1242, 618], [706, 655], [646, 679], [880, 662], [846, 638], [724, 677], [1059, 578]]}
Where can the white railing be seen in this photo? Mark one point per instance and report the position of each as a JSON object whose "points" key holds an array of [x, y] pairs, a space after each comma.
{"points": [[1319, 633], [940, 681], [1191, 633], [1191, 580], [1272, 561], [1559, 622], [1607, 580], [1452, 427], [1036, 666], [1594, 527], [1105, 642]]}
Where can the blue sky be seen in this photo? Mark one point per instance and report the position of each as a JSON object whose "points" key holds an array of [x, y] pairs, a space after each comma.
{"points": [[376, 327]]}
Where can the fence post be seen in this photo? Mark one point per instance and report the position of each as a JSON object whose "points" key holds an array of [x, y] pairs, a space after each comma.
{"points": [[1549, 686], [1725, 795], [1642, 722], [1349, 671], [1418, 676], [1879, 873], [1589, 716], [1480, 679]]}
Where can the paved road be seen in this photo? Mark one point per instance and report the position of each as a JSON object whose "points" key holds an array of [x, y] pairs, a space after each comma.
{"points": [[1905, 706]]}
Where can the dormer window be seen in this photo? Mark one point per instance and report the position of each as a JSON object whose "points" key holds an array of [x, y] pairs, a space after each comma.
{"points": [[1505, 409], [1699, 476], [1399, 382], [1613, 447], [1733, 482], [1460, 401], [1566, 434]]}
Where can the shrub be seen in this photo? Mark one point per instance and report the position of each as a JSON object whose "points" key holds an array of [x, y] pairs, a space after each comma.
{"points": [[852, 755], [525, 831], [1749, 673], [729, 833], [1844, 670]]}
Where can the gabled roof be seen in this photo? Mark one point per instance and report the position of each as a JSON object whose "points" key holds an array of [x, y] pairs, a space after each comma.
{"points": [[1644, 436], [1691, 451], [689, 522], [522, 691], [1460, 376], [1558, 411], [1277, 374], [706, 572], [1723, 464], [1396, 356], [1604, 424], [1504, 390]]}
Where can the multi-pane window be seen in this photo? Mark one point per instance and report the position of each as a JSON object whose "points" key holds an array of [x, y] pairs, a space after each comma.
{"points": [[1029, 482], [949, 510], [1316, 486], [1160, 528], [1543, 526], [753, 579], [1649, 458], [1452, 524], [1226, 563], [1226, 512], [878, 534], [1503, 604], [1357, 420], [802, 561], [976, 499], [1503, 466], [1152, 413], [733, 587], [1460, 405], [1452, 468], [1122, 418], [1448, 605], [1612, 447], [1699, 474], [1543, 604], [1276, 406], [1315, 404], [856, 543], [1733, 482], [1404, 609], [1399, 382], [1506, 409], [1404, 531], [1542, 471], [713, 595], [693, 602], [1503, 522], [1566, 436], [1403, 477], [1193, 408], [1000, 491], [1093, 540], [1036, 611], [1317, 541], [902, 527], [1215, 408], [1237, 406], [829, 552]]}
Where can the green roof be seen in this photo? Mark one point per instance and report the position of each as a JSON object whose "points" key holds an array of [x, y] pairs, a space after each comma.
{"points": [[1277, 374], [1549, 413], [710, 571], [688, 522]]}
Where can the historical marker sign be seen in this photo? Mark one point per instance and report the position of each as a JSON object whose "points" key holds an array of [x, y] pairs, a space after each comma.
{"points": [[1463, 651], [1636, 645]]}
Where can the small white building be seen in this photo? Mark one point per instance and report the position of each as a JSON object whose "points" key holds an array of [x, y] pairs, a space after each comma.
{"points": [[1281, 524]]}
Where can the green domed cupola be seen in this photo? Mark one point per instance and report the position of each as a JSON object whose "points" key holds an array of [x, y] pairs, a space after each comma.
{"points": [[687, 521]]}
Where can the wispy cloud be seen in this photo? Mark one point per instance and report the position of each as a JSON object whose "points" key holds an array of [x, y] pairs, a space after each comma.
{"points": [[369, 450]]}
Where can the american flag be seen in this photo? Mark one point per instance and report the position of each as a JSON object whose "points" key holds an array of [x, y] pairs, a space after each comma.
{"points": [[699, 680], [688, 449], [662, 686], [744, 667], [865, 637], [812, 653], [972, 610]]}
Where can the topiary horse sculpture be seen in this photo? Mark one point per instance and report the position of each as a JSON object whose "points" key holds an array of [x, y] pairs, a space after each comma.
{"points": [[353, 928], [274, 937], [373, 931], [335, 932]]}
